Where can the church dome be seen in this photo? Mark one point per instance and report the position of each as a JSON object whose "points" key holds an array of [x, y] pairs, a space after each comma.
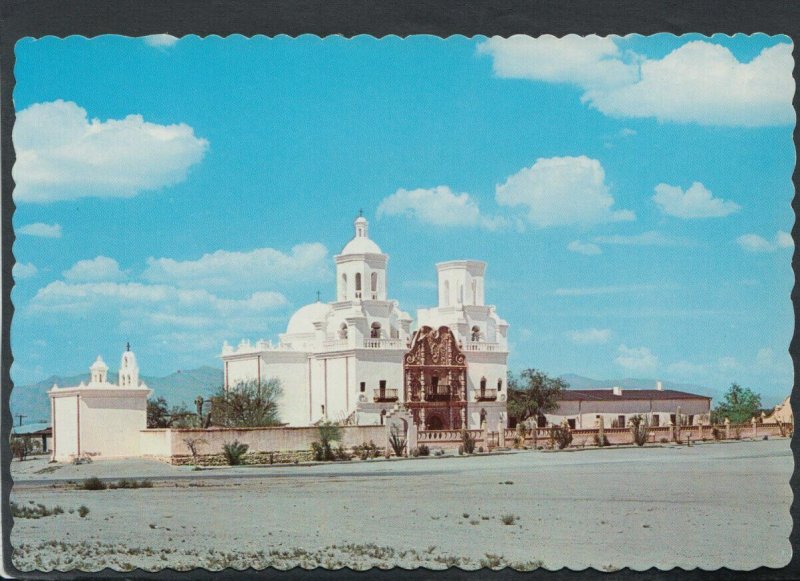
{"points": [[99, 365], [304, 318], [361, 244]]}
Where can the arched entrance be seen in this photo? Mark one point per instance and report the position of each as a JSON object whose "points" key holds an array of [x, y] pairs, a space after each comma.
{"points": [[435, 379], [434, 422]]}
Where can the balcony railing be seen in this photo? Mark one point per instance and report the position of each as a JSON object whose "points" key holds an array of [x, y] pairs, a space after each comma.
{"points": [[486, 395], [384, 344], [385, 395], [335, 344], [481, 346]]}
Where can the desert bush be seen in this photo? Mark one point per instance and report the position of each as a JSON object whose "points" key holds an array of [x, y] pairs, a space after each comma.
{"points": [[93, 483], [328, 433], [424, 450], [194, 447], [480, 449], [341, 454], [34, 512], [397, 442], [78, 460], [640, 430], [439, 452], [83, 510], [461, 450], [508, 519], [717, 433], [249, 404], [467, 442], [234, 451], [21, 447], [562, 436], [366, 450], [415, 453], [124, 483], [601, 443]]}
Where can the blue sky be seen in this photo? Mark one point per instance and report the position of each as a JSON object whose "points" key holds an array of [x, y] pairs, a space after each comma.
{"points": [[630, 195]]}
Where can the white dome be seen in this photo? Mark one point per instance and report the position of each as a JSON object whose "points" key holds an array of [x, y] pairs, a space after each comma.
{"points": [[99, 364], [304, 318], [361, 245]]}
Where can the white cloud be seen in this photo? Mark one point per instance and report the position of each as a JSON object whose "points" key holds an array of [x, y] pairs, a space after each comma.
{"points": [[154, 302], [728, 364], [586, 248], [650, 238], [756, 243], [238, 270], [160, 40], [62, 155], [562, 190], [24, 270], [96, 269], [696, 202], [438, 206], [627, 132], [784, 240], [638, 359], [704, 83], [699, 82], [587, 61], [41, 230], [590, 336]]}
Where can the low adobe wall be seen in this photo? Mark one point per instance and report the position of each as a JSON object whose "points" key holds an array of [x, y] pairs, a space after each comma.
{"points": [[265, 445]]}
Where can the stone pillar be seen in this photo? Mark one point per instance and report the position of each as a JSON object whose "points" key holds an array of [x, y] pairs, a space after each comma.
{"points": [[700, 429], [727, 428], [501, 433], [485, 434], [602, 434], [754, 423], [412, 436]]}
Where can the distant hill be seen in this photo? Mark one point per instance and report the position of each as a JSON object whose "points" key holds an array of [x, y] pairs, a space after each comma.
{"points": [[180, 387], [580, 382]]}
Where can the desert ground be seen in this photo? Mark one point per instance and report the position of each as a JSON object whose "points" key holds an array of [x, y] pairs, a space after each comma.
{"points": [[703, 506]]}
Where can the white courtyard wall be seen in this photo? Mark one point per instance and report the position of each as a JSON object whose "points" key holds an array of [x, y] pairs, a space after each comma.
{"points": [[65, 427]]}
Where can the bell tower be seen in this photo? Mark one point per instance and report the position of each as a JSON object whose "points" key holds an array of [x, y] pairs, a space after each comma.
{"points": [[128, 369]]}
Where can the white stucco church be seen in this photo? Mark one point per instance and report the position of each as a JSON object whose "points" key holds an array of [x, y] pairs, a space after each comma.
{"points": [[355, 358]]}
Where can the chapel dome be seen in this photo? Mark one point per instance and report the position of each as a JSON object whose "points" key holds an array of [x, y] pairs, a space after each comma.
{"points": [[99, 364], [361, 244], [304, 318]]}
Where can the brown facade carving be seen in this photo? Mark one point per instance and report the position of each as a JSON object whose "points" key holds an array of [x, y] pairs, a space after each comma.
{"points": [[435, 379]]}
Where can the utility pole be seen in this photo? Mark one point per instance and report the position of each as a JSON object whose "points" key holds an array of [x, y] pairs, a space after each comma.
{"points": [[20, 416]]}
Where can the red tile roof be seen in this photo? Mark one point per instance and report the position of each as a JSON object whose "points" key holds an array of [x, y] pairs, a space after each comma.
{"points": [[637, 394]]}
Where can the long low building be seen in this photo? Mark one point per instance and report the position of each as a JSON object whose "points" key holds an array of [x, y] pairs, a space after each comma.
{"points": [[616, 406]]}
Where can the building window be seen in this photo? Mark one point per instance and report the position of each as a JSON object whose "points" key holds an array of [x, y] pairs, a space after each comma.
{"points": [[621, 421], [344, 287], [483, 384], [374, 282], [375, 331], [343, 331], [461, 294], [571, 424], [541, 421], [363, 386], [499, 385], [655, 420], [358, 281], [476, 333], [383, 414], [323, 409]]}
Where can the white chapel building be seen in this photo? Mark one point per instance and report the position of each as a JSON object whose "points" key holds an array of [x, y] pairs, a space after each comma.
{"points": [[355, 358]]}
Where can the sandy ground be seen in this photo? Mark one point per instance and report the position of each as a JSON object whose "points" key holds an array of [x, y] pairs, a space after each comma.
{"points": [[706, 506]]}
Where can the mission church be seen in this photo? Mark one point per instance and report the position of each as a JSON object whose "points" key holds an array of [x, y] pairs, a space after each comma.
{"points": [[354, 359]]}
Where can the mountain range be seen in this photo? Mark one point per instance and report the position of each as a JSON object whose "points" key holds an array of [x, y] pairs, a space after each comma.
{"points": [[180, 387], [183, 386]]}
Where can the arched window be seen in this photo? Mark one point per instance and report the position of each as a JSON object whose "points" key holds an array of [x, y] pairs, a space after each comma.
{"points": [[375, 330], [343, 331], [483, 384], [374, 282], [446, 293], [344, 287], [358, 285], [499, 385], [461, 294], [476, 333]]}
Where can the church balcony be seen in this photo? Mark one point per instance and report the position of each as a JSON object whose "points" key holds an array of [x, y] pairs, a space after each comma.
{"points": [[480, 346], [384, 395], [486, 395], [384, 344]]}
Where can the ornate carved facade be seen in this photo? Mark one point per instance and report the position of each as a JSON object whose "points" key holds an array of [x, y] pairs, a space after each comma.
{"points": [[435, 379]]}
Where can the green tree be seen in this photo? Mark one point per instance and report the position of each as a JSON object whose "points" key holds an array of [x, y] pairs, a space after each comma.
{"points": [[249, 404], [739, 405], [157, 413], [533, 393]]}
